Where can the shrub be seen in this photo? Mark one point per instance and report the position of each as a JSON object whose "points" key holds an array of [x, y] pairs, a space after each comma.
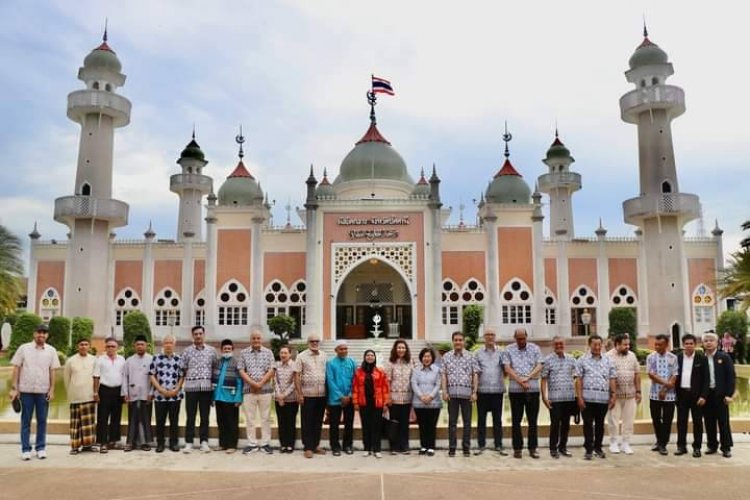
{"points": [[623, 320], [642, 354], [472, 319], [281, 325], [81, 328], [59, 333], [23, 331], [134, 324], [576, 353], [442, 347], [62, 358], [735, 322]]}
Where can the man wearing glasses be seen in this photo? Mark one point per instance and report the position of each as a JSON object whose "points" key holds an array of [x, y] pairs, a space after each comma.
{"points": [[311, 386], [108, 372]]}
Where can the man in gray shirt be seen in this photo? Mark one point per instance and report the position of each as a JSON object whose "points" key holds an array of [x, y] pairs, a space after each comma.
{"points": [[490, 391], [136, 389]]}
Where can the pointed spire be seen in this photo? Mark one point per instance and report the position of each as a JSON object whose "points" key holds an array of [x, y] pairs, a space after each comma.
{"points": [[434, 177], [600, 231], [422, 179], [149, 234], [311, 180], [34, 234], [507, 137], [193, 131], [717, 231], [325, 181], [240, 139], [645, 28]]}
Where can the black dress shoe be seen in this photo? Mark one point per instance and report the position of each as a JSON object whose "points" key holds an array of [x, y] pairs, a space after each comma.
{"points": [[501, 451], [663, 450], [517, 454], [159, 448], [564, 452], [336, 453], [680, 451], [588, 456], [711, 451], [452, 452], [348, 450], [467, 452], [600, 453], [655, 447], [533, 453], [174, 448], [554, 454], [696, 453], [726, 454]]}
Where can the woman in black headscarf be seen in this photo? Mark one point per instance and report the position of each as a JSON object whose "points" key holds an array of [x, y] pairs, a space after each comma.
{"points": [[369, 394]]}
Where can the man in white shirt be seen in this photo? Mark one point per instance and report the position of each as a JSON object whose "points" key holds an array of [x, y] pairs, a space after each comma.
{"points": [[34, 365], [692, 391], [108, 393]]}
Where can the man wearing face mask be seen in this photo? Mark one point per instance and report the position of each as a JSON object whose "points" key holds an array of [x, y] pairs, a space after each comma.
{"points": [[227, 385]]}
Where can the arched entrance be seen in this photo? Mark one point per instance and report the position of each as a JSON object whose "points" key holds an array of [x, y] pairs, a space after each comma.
{"points": [[371, 290]]}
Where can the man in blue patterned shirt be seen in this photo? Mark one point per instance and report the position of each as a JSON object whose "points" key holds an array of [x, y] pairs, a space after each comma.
{"points": [[523, 364], [597, 383], [459, 380], [167, 378], [559, 396], [489, 364], [662, 370], [197, 362]]}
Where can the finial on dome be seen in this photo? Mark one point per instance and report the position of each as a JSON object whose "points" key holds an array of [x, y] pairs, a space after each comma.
{"points": [[372, 99], [645, 28], [104, 36], [507, 137], [240, 139], [34, 234], [149, 234], [193, 130], [601, 232]]}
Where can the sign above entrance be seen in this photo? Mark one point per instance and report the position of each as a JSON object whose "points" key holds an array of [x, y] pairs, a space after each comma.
{"points": [[373, 234]]}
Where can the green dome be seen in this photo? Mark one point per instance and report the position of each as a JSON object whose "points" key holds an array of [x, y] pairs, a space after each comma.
{"points": [[558, 150], [103, 57], [325, 189], [193, 151], [373, 158], [240, 189], [647, 54], [508, 187]]}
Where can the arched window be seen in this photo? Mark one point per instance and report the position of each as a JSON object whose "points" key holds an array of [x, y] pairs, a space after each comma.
{"points": [[583, 311], [95, 86], [472, 292], [167, 308], [49, 304], [199, 309], [108, 87], [86, 189], [654, 81], [624, 296], [516, 303], [666, 187], [450, 298], [703, 309], [550, 307], [126, 302], [291, 301], [232, 302]]}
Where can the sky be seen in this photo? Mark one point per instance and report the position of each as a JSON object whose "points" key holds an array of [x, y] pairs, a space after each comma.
{"points": [[294, 74]]}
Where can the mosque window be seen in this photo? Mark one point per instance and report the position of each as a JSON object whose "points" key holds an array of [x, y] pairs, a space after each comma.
{"points": [[126, 302], [456, 299], [86, 189], [95, 86], [290, 301], [654, 81], [583, 311], [49, 304], [666, 187], [199, 309], [703, 309], [167, 308], [108, 87], [550, 307], [232, 304], [516, 307]]}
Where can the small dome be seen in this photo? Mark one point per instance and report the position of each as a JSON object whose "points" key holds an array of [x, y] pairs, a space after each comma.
{"points": [[508, 187], [422, 188], [558, 150], [240, 189], [647, 54], [373, 157], [193, 151], [103, 57], [325, 189]]}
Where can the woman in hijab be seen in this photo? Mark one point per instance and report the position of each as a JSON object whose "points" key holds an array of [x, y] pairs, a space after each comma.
{"points": [[369, 394]]}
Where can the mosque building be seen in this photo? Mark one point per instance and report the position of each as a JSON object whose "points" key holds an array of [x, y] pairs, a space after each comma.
{"points": [[376, 253]]}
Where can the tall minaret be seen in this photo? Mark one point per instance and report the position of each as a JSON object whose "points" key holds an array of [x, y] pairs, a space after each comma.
{"points": [[661, 210], [191, 186], [91, 213], [560, 183]]}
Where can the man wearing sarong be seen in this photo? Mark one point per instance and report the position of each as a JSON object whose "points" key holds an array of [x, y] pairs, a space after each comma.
{"points": [[136, 389], [78, 377]]}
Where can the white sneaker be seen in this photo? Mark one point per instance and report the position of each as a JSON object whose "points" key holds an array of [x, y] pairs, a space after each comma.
{"points": [[378, 454], [614, 447], [25, 456], [204, 447], [626, 449], [41, 454], [188, 448], [366, 454]]}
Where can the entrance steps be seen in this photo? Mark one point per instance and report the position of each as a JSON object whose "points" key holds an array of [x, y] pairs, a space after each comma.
{"points": [[382, 348]]}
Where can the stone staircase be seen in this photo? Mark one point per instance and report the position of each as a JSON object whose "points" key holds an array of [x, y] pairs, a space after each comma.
{"points": [[382, 348]]}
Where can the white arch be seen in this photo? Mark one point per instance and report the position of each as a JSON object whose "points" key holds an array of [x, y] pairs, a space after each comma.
{"points": [[480, 289], [167, 313], [583, 304], [50, 304], [523, 288], [623, 297]]}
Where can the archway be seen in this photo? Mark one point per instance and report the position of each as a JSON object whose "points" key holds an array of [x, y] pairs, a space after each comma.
{"points": [[373, 289]]}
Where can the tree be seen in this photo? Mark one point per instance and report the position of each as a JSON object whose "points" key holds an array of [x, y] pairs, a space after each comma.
{"points": [[23, 331], [623, 320], [59, 333], [11, 268], [134, 324], [735, 278], [81, 328], [472, 318], [281, 325], [735, 322]]}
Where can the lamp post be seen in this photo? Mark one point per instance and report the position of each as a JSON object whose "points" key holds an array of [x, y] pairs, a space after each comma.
{"points": [[586, 320]]}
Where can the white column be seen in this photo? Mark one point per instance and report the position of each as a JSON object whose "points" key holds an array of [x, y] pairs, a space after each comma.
{"points": [[147, 296], [687, 308], [721, 304], [492, 312], [540, 325], [602, 271], [31, 291], [314, 293], [109, 320], [256, 276], [210, 273], [563, 289], [642, 287], [187, 293], [433, 286]]}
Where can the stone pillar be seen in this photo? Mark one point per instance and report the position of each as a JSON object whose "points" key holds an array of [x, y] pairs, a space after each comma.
{"points": [[210, 273], [256, 276], [538, 317], [492, 313], [642, 288], [147, 296], [563, 289], [602, 271], [188, 293], [314, 295], [434, 300]]}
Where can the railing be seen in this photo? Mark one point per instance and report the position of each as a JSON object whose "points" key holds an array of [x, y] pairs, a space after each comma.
{"points": [[191, 181], [86, 207], [82, 102], [651, 205], [555, 179], [656, 97]]}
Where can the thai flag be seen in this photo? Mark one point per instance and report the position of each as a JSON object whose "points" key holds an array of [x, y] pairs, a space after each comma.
{"points": [[381, 86]]}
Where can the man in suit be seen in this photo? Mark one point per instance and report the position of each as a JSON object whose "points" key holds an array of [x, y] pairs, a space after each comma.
{"points": [[721, 386], [692, 391]]}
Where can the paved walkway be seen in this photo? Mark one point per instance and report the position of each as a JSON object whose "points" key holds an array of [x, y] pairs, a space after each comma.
{"points": [[146, 475]]}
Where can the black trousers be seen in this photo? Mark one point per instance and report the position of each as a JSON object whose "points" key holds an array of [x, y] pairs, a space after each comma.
{"points": [[427, 419], [372, 427], [662, 413], [162, 410], [492, 403], [228, 421], [197, 401], [465, 406], [559, 416], [593, 425], [139, 423], [313, 411], [108, 415], [335, 412], [716, 412], [287, 421], [527, 402], [687, 404], [399, 416]]}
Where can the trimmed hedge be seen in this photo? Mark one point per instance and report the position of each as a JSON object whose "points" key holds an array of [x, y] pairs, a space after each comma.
{"points": [[81, 328], [59, 333], [23, 331], [134, 324]]}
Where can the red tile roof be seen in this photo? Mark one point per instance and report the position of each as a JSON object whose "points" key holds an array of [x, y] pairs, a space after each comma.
{"points": [[240, 171], [507, 169], [373, 135]]}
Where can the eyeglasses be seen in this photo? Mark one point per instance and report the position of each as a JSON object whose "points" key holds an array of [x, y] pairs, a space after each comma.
{"points": [[314, 341], [111, 347]]}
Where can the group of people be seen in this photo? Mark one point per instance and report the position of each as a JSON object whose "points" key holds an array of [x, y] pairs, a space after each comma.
{"points": [[598, 386]]}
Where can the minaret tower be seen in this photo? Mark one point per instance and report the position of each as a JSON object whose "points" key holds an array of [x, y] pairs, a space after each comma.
{"points": [[560, 183], [191, 186], [661, 210], [91, 213]]}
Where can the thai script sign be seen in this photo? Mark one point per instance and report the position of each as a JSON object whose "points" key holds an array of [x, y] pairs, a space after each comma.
{"points": [[374, 233]]}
